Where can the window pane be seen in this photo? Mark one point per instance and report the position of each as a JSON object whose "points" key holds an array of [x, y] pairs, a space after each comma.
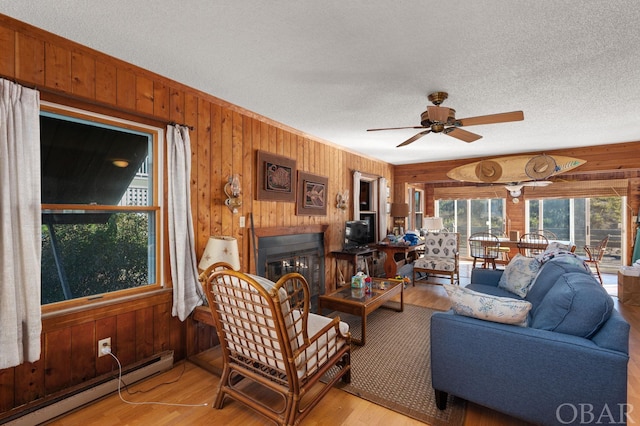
{"points": [[91, 163], [80, 258]]}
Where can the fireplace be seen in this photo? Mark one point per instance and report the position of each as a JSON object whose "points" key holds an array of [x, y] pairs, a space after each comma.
{"points": [[279, 255]]}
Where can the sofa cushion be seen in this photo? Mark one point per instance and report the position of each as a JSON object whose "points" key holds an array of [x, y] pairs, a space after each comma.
{"points": [[492, 290], [519, 274], [487, 307], [549, 273], [576, 304]]}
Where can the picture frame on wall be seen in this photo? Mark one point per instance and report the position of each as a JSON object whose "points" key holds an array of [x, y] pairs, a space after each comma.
{"points": [[311, 199], [276, 177]]}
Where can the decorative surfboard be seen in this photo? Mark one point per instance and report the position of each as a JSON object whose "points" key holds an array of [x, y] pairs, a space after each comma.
{"points": [[518, 168]]}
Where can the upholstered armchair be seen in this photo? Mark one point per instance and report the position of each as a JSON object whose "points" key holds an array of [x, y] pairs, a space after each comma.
{"points": [[441, 256], [271, 340]]}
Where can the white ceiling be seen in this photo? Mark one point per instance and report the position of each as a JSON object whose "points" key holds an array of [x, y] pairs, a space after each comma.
{"points": [[334, 68]]}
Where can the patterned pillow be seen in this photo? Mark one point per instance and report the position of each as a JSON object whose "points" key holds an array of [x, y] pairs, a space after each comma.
{"points": [[488, 307], [519, 274]]}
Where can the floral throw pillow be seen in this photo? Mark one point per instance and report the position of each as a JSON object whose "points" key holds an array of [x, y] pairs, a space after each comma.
{"points": [[519, 274], [488, 307]]}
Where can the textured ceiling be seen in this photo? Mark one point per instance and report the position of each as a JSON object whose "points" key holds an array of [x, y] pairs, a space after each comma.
{"points": [[334, 68]]}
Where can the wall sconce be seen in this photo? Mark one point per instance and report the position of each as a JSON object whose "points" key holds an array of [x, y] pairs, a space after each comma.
{"points": [[342, 200], [232, 190]]}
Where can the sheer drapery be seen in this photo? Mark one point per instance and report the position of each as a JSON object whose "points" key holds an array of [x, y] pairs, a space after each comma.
{"points": [[20, 225], [382, 208], [356, 194], [187, 293]]}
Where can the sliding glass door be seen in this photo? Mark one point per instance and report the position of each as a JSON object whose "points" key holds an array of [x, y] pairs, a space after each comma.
{"points": [[584, 221]]}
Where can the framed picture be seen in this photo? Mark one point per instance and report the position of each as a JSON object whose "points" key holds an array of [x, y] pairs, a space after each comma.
{"points": [[276, 178], [312, 195]]}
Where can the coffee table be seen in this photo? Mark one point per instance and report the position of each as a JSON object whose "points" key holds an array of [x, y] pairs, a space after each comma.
{"points": [[357, 302]]}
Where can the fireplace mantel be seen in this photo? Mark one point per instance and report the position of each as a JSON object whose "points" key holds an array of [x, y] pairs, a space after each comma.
{"points": [[290, 230]]}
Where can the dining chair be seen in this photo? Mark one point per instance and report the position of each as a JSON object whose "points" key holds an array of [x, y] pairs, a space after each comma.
{"points": [[595, 255], [549, 234], [504, 251], [532, 244], [484, 246]]}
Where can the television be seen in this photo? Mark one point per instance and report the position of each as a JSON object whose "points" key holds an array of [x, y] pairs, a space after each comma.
{"points": [[358, 233]]}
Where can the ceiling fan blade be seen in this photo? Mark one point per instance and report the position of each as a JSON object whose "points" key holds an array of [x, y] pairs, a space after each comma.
{"points": [[491, 119], [461, 134], [397, 128], [414, 138]]}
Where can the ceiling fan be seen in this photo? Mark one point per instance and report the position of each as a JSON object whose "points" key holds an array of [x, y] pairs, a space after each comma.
{"points": [[437, 119], [515, 188]]}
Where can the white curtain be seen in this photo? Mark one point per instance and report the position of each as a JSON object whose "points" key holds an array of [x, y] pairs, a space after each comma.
{"points": [[20, 225], [382, 208], [187, 292], [356, 194]]}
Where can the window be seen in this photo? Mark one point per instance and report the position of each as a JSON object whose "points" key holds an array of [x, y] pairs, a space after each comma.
{"points": [[418, 208], [470, 216], [584, 221], [100, 206]]}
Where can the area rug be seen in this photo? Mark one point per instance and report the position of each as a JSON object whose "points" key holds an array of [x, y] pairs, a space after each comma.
{"points": [[393, 368]]}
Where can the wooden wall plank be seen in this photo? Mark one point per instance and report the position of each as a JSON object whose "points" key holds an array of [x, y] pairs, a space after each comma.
{"points": [[7, 389], [8, 60], [83, 75], [29, 60], [203, 175], [58, 360], [125, 89], [161, 325], [57, 67], [126, 337], [144, 95], [29, 382], [160, 100], [176, 105], [144, 333], [83, 352], [106, 83]]}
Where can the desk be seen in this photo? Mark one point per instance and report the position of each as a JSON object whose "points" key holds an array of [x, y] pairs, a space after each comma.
{"points": [[350, 256], [391, 250]]}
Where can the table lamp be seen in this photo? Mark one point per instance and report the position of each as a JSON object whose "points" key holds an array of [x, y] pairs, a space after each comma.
{"points": [[220, 249]]}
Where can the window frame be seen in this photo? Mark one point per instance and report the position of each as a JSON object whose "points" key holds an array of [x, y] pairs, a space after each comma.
{"points": [[155, 207]]}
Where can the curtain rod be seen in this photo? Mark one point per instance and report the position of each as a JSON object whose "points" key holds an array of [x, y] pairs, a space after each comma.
{"points": [[173, 123]]}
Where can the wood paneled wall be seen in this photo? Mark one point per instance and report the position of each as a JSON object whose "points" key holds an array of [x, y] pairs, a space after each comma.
{"points": [[224, 140], [604, 162]]}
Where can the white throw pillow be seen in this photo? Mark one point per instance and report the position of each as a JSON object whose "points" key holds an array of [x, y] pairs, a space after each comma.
{"points": [[488, 307], [518, 275]]}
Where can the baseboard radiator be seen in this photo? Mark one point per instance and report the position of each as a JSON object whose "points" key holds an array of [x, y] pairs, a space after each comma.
{"points": [[44, 411]]}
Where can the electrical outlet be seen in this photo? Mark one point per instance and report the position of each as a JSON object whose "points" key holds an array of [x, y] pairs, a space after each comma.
{"points": [[104, 344], [241, 221]]}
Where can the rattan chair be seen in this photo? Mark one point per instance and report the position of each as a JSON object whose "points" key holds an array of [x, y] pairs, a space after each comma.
{"points": [[595, 255], [269, 339], [532, 244], [484, 246]]}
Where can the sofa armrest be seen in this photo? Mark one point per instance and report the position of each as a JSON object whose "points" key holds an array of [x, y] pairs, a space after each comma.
{"points": [[486, 276], [524, 372]]}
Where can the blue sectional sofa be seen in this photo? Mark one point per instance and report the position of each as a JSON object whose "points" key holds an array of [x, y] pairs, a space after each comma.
{"points": [[568, 365]]}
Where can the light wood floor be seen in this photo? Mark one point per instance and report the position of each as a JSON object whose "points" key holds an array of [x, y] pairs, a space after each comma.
{"points": [[192, 385]]}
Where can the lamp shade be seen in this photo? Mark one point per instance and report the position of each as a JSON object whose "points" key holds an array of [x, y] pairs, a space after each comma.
{"points": [[432, 223], [220, 249], [399, 209]]}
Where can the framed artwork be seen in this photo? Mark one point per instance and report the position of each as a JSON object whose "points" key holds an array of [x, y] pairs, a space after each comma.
{"points": [[312, 195], [276, 178]]}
